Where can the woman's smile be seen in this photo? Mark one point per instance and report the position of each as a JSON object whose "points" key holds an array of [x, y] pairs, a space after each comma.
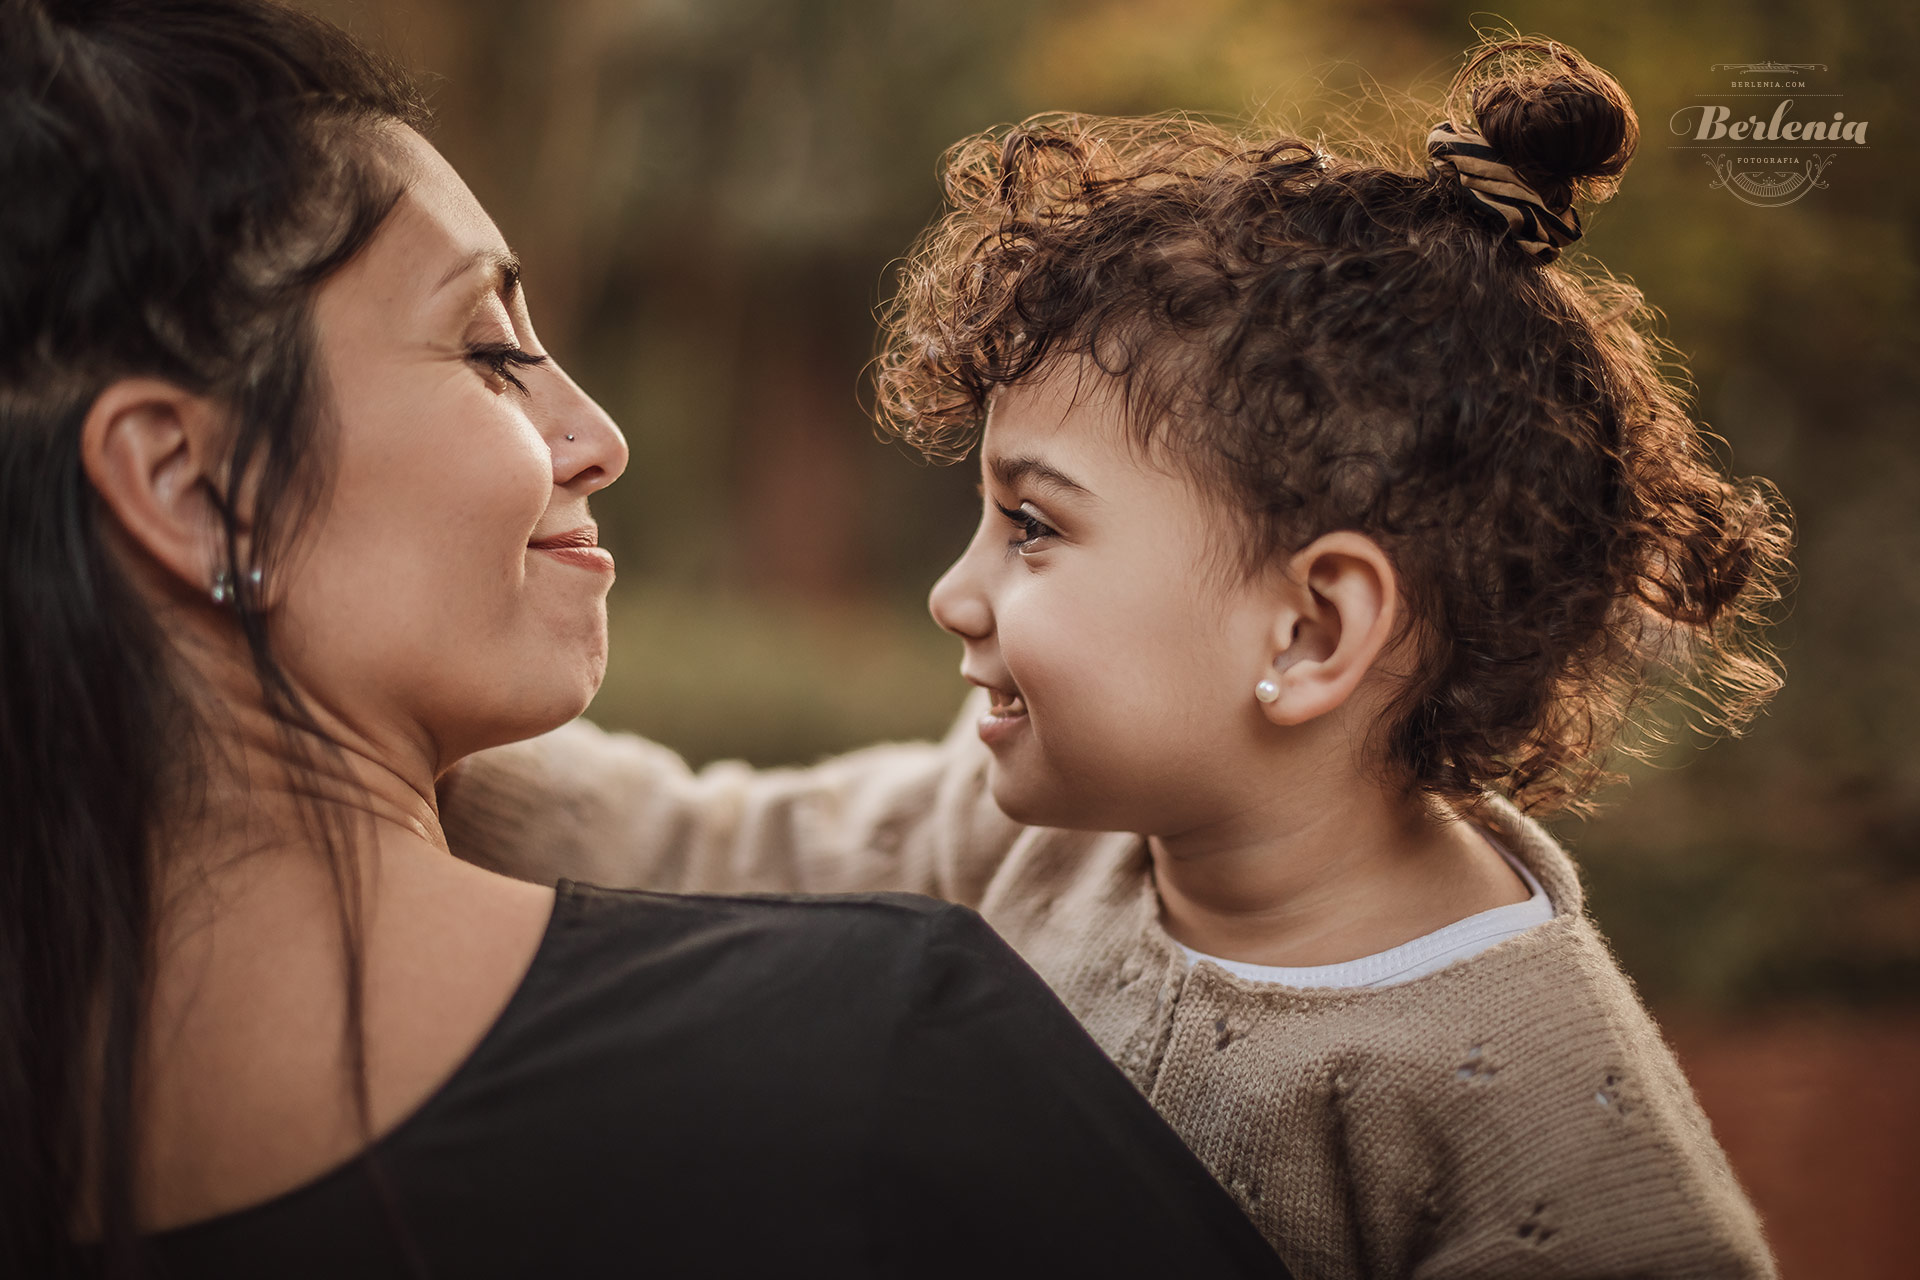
{"points": [[579, 547]]}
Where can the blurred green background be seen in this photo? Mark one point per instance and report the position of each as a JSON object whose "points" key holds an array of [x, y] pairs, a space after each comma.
{"points": [[708, 195]]}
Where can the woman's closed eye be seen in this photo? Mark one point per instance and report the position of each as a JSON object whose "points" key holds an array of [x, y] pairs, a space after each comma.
{"points": [[1032, 530], [500, 359]]}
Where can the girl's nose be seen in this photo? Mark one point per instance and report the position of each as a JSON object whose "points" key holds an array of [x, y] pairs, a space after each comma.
{"points": [[957, 603]]}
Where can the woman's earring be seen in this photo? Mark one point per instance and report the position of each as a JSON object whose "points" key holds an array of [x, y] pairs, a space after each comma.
{"points": [[1267, 690], [569, 437], [223, 592]]}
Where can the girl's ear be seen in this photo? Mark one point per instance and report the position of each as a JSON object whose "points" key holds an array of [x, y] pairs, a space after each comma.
{"points": [[148, 448], [1342, 608]]}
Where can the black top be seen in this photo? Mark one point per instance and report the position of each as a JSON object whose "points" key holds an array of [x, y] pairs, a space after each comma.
{"points": [[869, 1085]]}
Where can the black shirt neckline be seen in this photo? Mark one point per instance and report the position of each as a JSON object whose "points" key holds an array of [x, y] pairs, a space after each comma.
{"points": [[567, 898]]}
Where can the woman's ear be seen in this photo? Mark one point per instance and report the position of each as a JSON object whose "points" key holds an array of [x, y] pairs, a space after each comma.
{"points": [[1342, 608], [148, 447]]}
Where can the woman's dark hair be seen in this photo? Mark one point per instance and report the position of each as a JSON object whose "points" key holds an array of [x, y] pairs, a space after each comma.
{"points": [[176, 176], [1341, 343]]}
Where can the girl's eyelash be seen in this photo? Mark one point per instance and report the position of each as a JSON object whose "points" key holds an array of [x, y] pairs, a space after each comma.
{"points": [[502, 358], [1028, 525]]}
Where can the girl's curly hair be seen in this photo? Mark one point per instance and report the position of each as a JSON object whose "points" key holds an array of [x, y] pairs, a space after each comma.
{"points": [[1336, 343]]}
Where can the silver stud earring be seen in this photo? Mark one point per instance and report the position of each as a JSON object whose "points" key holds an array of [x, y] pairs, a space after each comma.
{"points": [[223, 592], [569, 437], [1267, 690]]}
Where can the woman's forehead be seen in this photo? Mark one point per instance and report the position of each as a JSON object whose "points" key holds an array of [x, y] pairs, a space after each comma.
{"points": [[437, 222], [436, 237]]}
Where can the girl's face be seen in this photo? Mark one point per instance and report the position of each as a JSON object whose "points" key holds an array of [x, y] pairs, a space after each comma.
{"points": [[1093, 604], [442, 600]]}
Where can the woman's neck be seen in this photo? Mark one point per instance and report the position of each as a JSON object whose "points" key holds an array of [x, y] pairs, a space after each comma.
{"points": [[1334, 870], [257, 781], [308, 905]]}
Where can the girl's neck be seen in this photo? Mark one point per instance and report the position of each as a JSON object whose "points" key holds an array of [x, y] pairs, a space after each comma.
{"points": [[1332, 874]]}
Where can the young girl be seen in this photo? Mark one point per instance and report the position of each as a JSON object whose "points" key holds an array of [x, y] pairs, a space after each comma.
{"points": [[1331, 525]]}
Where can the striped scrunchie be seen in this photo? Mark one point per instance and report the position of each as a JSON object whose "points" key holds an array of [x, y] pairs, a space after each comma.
{"points": [[1536, 228]]}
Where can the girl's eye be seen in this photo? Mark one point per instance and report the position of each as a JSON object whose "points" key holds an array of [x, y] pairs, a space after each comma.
{"points": [[1031, 530], [500, 359]]}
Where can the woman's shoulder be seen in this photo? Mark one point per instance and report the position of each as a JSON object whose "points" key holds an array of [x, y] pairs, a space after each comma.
{"points": [[859, 949], [659, 1049], [725, 1085], [632, 989]]}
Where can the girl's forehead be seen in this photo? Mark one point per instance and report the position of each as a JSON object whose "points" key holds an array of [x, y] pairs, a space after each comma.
{"points": [[1074, 422], [1065, 407], [1090, 464]]}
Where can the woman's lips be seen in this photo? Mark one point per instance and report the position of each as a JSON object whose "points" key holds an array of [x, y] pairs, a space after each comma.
{"points": [[578, 547]]}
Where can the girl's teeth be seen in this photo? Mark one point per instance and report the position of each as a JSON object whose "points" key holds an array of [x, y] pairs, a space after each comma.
{"points": [[1012, 707]]}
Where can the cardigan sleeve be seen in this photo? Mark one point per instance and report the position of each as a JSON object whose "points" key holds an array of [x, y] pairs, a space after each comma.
{"points": [[617, 810]]}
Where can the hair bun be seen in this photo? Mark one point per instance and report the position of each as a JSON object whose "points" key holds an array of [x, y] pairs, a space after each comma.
{"points": [[1558, 120]]}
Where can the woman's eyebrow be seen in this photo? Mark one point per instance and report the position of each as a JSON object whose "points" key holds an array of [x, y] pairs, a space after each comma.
{"points": [[1010, 471], [502, 266]]}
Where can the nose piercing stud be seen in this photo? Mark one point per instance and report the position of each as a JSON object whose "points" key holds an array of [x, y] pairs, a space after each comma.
{"points": [[1266, 691], [569, 437]]}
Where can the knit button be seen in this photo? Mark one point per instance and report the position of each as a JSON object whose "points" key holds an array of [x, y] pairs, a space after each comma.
{"points": [[1534, 1228], [1476, 1069]]}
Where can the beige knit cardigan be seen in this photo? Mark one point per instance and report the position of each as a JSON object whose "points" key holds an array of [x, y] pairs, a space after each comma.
{"points": [[1514, 1115]]}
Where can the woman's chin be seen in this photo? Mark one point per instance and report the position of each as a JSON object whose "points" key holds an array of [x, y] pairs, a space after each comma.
{"points": [[528, 712]]}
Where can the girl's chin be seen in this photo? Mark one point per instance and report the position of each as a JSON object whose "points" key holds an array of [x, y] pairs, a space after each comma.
{"points": [[1017, 802]]}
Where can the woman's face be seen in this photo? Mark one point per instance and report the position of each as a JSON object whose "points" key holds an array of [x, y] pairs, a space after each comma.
{"points": [[443, 600]]}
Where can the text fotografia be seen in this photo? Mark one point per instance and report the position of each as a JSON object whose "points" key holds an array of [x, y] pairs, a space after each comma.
{"points": [[1714, 122]]}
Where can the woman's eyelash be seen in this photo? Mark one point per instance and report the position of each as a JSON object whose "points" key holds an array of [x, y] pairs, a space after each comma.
{"points": [[502, 358], [1033, 529]]}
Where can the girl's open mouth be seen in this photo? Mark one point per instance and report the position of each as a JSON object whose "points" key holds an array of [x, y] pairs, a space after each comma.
{"points": [[1005, 717]]}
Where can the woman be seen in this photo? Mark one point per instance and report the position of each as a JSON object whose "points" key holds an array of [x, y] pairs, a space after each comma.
{"points": [[296, 515]]}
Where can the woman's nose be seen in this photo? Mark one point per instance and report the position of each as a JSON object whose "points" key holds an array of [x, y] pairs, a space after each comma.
{"points": [[589, 453], [957, 602]]}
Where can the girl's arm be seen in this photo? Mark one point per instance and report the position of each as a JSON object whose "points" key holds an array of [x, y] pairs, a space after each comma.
{"points": [[617, 810]]}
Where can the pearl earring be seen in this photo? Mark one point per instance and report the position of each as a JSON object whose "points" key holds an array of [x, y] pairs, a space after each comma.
{"points": [[1267, 690]]}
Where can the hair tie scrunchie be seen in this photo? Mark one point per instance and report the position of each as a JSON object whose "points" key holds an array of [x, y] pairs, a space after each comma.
{"points": [[1536, 228]]}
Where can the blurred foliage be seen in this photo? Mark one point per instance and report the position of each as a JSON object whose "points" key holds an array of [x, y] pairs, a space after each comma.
{"points": [[708, 195]]}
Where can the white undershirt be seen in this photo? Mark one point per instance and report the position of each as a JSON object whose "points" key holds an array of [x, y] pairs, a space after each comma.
{"points": [[1409, 960]]}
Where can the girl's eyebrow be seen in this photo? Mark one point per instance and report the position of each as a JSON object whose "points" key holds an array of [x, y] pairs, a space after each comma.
{"points": [[1009, 472]]}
